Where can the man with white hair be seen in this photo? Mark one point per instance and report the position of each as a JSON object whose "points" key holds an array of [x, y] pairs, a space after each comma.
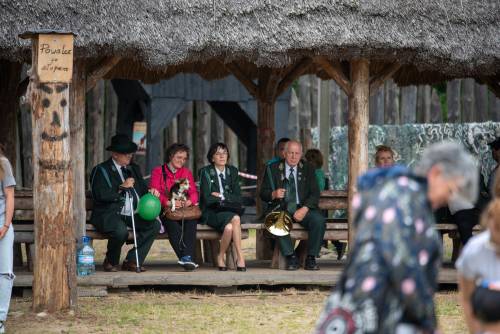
{"points": [[294, 180], [388, 283]]}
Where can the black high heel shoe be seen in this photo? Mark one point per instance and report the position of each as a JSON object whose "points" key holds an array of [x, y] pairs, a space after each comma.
{"points": [[223, 268], [241, 268]]}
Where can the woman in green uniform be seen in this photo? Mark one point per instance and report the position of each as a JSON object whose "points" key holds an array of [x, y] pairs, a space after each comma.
{"points": [[219, 183]]}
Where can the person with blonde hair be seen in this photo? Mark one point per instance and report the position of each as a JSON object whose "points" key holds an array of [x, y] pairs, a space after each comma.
{"points": [[479, 274], [7, 184]]}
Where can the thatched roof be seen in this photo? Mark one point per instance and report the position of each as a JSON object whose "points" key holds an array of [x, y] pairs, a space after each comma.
{"points": [[434, 39]]}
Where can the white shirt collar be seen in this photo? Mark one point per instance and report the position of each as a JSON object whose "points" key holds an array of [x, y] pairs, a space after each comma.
{"points": [[118, 168], [287, 169]]}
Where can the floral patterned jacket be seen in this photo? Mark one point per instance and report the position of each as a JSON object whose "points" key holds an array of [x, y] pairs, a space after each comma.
{"points": [[391, 274]]}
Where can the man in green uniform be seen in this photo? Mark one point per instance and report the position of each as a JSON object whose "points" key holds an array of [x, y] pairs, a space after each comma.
{"points": [[294, 181], [113, 183]]}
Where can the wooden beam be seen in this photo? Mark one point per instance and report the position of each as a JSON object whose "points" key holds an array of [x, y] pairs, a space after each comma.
{"points": [[378, 79], [293, 73], [334, 70], [243, 78], [100, 70], [357, 128]]}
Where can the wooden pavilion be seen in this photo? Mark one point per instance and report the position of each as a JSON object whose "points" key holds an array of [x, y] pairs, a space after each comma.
{"points": [[266, 45]]}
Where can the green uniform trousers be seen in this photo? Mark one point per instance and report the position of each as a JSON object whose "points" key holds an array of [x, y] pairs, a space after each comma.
{"points": [[314, 223], [115, 226]]}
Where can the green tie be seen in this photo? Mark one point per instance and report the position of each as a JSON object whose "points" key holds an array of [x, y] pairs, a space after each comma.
{"points": [[291, 193]]}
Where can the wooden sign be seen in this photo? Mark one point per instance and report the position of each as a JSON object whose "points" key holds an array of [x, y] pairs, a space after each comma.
{"points": [[55, 58]]}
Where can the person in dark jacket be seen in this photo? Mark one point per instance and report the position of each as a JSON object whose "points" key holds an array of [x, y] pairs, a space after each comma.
{"points": [[220, 182], [301, 193], [113, 182]]}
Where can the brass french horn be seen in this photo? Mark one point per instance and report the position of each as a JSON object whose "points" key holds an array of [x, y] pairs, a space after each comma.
{"points": [[279, 223]]}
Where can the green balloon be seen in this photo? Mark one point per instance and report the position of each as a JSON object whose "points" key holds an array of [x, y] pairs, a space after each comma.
{"points": [[149, 207]]}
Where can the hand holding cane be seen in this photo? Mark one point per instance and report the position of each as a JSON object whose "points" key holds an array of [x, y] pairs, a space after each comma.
{"points": [[131, 200]]}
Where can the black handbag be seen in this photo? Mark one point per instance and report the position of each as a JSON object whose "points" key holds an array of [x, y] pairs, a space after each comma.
{"points": [[235, 207]]}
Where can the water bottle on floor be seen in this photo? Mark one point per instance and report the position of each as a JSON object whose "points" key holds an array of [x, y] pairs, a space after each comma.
{"points": [[85, 258]]}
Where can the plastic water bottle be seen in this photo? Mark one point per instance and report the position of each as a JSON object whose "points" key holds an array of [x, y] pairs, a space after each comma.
{"points": [[85, 258]]}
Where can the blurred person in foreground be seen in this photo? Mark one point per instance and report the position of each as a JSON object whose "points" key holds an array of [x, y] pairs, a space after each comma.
{"points": [[479, 275], [391, 274]]}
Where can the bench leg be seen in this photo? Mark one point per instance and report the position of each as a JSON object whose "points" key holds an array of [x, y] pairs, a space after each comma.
{"points": [[198, 256], [301, 252], [457, 246], [231, 256], [278, 261], [214, 250]]}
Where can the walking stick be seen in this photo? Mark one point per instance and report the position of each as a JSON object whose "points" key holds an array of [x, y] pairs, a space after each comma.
{"points": [[137, 264]]}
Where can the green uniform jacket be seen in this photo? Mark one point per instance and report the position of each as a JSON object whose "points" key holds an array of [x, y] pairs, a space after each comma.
{"points": [[209, 183], [107, 200], [307, 185]]}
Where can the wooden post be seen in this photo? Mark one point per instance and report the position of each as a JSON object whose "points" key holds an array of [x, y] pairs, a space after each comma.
{"points": [[232, 145], [293, 116], [95, 126], [77, 129], [358, 128], [54, 276], [468, 110], [305, 111], [436, 113], [408, 104], [271, 84], [324, 122], [10, 73], [203, 113], [391, 103], [185, 127], [453, 100], [27, 147]]}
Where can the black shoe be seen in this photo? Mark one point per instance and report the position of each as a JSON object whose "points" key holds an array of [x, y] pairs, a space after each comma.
{"points": [[241, 268], [292, 263], [311, 263]]}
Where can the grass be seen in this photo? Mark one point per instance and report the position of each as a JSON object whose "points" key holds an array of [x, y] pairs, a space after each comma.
{"points": [[290, 311]]}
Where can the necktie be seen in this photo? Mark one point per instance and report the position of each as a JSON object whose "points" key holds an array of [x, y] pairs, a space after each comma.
{"points": [[126, 174], [291, 193], [223, 182]]}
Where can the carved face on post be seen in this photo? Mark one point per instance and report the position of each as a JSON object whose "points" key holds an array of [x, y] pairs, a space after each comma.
{"points": [[53, 103]]}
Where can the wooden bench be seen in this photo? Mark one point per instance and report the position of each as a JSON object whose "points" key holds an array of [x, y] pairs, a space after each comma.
{"points": [[24, 233], [337, 229]]}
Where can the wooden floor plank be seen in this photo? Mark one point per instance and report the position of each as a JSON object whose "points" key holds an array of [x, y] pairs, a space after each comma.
{"points": [[258, 273]]}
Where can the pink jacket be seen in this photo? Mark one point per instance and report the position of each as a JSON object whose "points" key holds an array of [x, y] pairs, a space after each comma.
{"points": [[158, 183]]}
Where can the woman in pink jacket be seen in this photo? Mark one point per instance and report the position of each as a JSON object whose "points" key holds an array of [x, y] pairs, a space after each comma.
{"points": [[163, 178]]}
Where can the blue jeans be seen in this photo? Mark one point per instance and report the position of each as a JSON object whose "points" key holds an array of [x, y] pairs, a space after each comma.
{"points": [[6, 274]]}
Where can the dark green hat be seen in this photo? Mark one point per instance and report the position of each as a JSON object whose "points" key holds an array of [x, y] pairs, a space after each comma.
{"points": [[122, 144]]}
